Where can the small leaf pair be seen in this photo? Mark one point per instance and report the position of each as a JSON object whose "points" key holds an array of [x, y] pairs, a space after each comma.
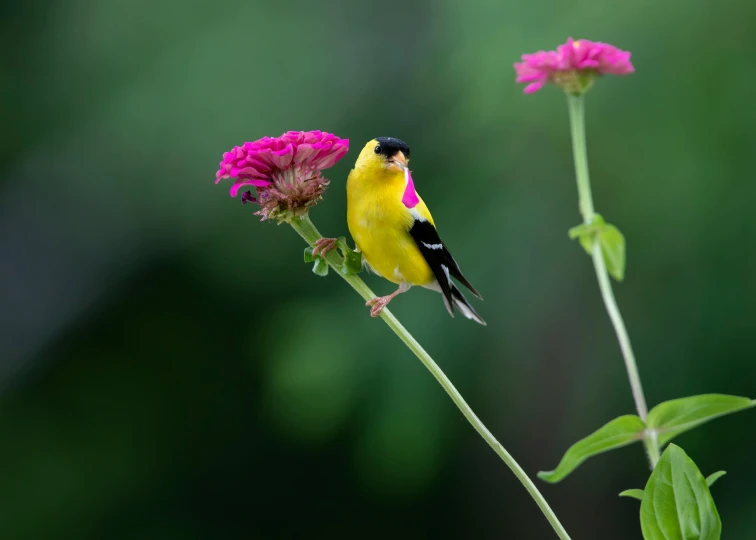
{"points": [[351, 264], [676, 503], [666, 420], [610, 240], [320, 267]]}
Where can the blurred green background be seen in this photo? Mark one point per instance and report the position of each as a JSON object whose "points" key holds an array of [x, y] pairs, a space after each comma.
{"points": [[170, 369]]}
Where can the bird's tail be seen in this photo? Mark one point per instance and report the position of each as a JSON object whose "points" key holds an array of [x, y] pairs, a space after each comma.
{"points": [[463, 305]]}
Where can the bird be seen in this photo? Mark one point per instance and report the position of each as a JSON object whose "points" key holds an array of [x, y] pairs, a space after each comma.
{"points": [[394, 231]]}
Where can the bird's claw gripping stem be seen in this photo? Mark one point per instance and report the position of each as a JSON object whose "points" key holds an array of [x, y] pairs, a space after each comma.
{"points": [[352, 263], [323, 246], [378, 303]]}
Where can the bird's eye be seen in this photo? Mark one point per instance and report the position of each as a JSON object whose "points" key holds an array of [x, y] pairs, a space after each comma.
{"points": [[378, 149]]}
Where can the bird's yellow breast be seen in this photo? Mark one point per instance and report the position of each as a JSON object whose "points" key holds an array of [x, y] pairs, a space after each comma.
{"points": [[379, 224]]}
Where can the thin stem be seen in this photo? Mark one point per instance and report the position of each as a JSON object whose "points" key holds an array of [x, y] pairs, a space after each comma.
{"points": [[580, 154], [307, 230]]}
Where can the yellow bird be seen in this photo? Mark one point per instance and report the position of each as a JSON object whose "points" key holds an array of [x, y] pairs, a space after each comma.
{"points": [[394, 230]]}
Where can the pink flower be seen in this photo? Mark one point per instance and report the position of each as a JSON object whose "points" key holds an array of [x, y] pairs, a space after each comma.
{"points": [[284, 170], [536, 69], [573, 66]]}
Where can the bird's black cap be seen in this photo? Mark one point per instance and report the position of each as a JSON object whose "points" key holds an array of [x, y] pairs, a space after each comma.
{"points": [[390, 146]]}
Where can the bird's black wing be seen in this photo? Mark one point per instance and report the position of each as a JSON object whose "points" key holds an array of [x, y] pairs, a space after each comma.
{"points": [[440, 260]]}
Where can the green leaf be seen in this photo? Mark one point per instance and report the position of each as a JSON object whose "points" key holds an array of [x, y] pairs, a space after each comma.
{"points": [[320, 267], [352, 263], [673, 417], [308, 254], [677, 504], [341, 243], [611, 241], [634, 493], [586, 231], [587, 242], [612, 244], [615, 434], [597, 222], [578, 231], [714, 477]]}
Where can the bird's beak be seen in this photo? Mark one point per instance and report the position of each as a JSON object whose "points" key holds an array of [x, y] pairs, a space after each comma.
{"points": [[398, 161]]}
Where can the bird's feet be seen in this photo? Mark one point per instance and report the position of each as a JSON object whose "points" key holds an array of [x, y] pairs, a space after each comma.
{"points": [[323, 246], [378, 303]]}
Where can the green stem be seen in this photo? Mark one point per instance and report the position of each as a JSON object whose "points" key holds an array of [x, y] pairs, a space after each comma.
{"points": [[580, 154], [307, 230]]}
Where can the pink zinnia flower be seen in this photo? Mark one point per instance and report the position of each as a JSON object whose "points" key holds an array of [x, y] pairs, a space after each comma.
{"points": [[284, 170], [573, 66]]}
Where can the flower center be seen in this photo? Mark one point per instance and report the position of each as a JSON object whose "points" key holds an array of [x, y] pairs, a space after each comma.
{"points": [[574, 82]]}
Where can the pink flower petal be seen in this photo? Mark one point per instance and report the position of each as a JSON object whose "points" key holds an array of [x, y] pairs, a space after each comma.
{"points": [[305, 153], [535, 87], [281, 158]]}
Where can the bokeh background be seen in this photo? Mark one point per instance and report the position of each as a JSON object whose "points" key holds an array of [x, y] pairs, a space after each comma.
{"points": [[170, 369]]}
